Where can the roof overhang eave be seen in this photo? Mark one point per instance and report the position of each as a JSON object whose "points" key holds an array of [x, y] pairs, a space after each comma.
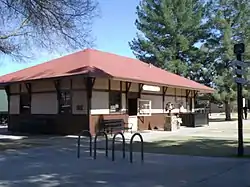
{"points": [[209, 90]]}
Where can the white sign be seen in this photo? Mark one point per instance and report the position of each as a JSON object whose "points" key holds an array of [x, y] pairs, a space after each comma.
{"points": [[151, 88]]}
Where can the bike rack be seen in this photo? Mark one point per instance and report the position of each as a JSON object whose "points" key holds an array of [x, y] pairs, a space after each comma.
{"points": [[131, 147], [79, 142], [113, 145], [106, 137]]}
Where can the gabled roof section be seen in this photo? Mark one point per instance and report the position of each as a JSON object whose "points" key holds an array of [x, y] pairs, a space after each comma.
{"points": [[95, 63]]}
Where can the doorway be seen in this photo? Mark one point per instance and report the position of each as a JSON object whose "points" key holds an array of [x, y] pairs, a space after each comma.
{"points": [[132, 107], [132, 114]]}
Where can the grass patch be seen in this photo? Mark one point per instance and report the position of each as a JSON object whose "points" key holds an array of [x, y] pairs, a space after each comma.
{"points": [[194, 146]]}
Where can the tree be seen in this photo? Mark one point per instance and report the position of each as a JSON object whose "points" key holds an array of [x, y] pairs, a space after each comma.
{"points": [[230, 24], [169, 31], [49, 24]]}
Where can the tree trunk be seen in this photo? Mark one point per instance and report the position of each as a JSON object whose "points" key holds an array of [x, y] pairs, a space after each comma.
{"points": [[228, 111]]}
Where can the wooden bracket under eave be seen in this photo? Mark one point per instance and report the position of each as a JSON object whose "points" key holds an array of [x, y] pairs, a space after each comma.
{"points": [[164, 90], [57, 87], [128, 85], [89, 83], [195, 94], [28, 87], [140, 86], [187, 93], [7, 90]]}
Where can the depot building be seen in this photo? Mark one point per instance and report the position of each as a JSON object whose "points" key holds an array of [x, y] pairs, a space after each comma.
{"points": [[75, 92]]}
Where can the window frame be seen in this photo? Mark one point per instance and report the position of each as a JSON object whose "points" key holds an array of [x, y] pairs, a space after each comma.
{"points": [[150, 107], [62, 102], [120, 101], [22, 109]]}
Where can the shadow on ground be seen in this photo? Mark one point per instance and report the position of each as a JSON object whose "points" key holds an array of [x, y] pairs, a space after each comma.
{"points": [[197, 146], [221, 119]]}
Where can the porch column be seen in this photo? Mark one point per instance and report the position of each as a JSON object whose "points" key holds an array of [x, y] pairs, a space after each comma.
{"points": [[164, 90], [89, 83], [140, 86], [187, 96], [7, 90], [128, 85], [57, 84]]}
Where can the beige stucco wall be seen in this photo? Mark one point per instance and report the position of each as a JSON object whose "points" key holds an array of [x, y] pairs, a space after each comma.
{"points": [[44, 103], [79, 98], [14, 104], [156, 102], [101, 83], [100, 103], [44, 85]]}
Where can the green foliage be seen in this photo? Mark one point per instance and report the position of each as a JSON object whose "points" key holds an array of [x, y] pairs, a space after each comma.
{"points": [[229, 25], [169, 30]]}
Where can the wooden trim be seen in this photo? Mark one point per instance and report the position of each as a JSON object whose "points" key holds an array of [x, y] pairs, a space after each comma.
{"points": [[128, 86], [195, 94], [140, 86], [98, 90], [109, 85], [164, 90], [121, 84], [29, 90], [20, 88], [175, 97], [7, 90], [71, 95], [57, 84]]}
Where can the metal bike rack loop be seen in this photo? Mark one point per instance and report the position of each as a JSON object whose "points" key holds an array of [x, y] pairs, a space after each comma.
{"points": [[79, 142], [113, 145], [106, 137], [131, 147]]}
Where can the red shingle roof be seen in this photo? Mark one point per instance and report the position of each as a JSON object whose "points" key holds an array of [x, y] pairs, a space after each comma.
{"points": [[101, 64]]}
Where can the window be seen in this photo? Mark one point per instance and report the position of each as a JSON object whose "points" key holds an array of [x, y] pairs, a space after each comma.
{"points": [[115, 101], [65, 102], [25, 103], [144, 107]]}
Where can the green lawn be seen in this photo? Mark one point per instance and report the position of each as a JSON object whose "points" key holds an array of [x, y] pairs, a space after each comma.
{"points": [[196, 146]]}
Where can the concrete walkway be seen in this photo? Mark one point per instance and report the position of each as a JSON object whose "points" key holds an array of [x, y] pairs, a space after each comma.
{"points": [[58, 166]]}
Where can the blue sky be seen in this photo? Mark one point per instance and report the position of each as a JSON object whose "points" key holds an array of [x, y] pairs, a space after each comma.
{"points": [[112, 32]]}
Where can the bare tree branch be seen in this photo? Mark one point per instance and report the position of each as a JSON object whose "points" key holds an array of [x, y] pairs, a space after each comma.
{"points": [[48, 24]]}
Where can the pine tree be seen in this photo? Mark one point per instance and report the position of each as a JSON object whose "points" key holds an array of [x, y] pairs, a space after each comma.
{"points": [[230, 24], [168, 33]]}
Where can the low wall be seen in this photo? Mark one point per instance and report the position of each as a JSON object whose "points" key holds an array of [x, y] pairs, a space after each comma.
{"points": [[155, 121], [194, 119], [48, 124]]}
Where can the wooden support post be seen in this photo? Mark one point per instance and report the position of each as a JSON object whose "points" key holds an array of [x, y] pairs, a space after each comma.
{"points": [[7, 90], [164, 90], [140, 86], [128, 85], [57, 85], [187, 96], [175, 96], [29, 89], [89, 84]]}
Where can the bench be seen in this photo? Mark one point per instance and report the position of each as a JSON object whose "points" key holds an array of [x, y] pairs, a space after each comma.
{"points": [[109, 125]]}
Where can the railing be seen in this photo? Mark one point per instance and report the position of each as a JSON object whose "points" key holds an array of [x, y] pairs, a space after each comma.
{"points": [[79, 143], [113, 145], [131, 147], [106, 137]]}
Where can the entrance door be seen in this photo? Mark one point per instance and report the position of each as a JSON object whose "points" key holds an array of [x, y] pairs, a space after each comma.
{"points": [[132, 112]]}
